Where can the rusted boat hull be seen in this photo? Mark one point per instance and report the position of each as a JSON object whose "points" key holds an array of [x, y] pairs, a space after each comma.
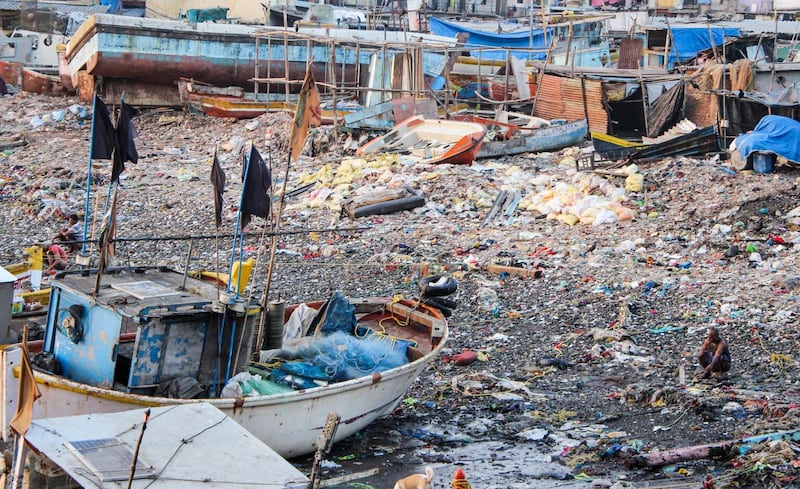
{"points": [[161, 52]]}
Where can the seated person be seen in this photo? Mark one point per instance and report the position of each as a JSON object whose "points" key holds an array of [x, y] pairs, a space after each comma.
{"points": [[714, 355], [55, 258], [73, 232]]}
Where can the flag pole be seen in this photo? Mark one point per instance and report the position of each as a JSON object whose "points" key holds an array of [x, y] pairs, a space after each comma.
{"points": [[89, 173], [238, 229], [216, 232], [297, 136]]}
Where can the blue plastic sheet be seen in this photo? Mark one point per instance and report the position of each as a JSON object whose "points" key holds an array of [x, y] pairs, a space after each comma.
{"points": [[773, 134], [114, 6], [340, 315], [688, 41], [484, 39]]}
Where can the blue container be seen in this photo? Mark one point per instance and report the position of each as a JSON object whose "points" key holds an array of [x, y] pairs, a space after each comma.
{"points": [[763, 162]]}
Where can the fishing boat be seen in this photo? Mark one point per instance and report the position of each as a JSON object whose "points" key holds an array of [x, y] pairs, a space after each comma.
{"points": [[169, 447], [29, 294], [511, 139], [156, 337], [133, 336], [130, 52], [433, 141], [235, 103]]}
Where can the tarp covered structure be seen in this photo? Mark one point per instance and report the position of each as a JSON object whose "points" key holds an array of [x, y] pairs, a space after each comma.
{"points": [[773, 134], [533, 39], [688, 41], [665, 111]]}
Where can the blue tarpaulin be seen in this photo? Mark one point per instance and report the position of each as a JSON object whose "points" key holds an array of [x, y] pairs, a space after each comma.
{"points": [[688, 41], [484, 39], [773, 134], [114, 6]]}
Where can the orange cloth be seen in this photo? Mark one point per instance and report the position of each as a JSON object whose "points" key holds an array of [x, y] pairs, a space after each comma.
{"points": [[306, 114], [28, 393]]}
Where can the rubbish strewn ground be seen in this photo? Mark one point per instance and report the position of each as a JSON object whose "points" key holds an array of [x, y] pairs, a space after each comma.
{"points": [[576, 372]]}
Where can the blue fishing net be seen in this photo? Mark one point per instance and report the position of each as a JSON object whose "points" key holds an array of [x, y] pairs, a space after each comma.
{"points": [[337, 357]]}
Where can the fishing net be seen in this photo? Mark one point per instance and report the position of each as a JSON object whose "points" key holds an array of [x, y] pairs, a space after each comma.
{"points": [[339, 356]]}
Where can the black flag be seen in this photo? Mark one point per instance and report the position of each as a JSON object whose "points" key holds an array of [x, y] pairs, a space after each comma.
{"points": [[218, 182], [125, 149], [103, 133], [255, 193], [114, 143]]}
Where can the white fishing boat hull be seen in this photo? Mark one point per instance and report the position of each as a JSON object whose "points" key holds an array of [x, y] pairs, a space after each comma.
{"points": [[289, 423]]}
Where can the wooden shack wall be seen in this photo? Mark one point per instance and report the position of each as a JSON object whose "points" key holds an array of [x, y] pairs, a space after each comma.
{"points": [[563, 98]]}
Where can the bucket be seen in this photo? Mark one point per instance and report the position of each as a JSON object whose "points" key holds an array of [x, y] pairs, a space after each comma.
{"points": [[763, 162]]}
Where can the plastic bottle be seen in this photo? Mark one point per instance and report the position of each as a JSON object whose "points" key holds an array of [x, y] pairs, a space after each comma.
{"points": [[488, 301]]}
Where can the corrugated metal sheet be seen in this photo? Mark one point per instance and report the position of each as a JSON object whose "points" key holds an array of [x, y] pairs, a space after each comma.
{"points": [[630, 53], [754, 6], [563, 98]]}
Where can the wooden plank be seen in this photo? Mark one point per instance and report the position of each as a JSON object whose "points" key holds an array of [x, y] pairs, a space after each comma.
{"points": [[368, 112], [519, 271], [348, 477]]}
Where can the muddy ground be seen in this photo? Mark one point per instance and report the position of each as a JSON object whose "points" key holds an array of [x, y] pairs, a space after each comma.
{"points": [[579, 371]]}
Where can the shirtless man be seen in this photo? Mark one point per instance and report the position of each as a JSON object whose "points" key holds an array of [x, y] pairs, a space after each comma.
{"points": [[714, 355]]}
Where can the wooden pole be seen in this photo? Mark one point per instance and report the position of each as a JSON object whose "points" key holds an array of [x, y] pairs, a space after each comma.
{"points": [[138, 445], [19, 462], [271, 266]]}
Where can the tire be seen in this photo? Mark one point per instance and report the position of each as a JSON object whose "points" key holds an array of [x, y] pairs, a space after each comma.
{"points": [[437, 285]]}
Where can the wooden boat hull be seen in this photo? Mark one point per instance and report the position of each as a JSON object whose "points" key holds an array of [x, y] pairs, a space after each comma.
{"points": [[289, 423], [435, 141], [240, 108], [538, 140], [160, 52]]}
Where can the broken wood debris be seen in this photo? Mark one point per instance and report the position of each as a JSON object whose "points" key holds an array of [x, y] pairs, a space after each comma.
{"points": [[504, 207], [523, 272]]}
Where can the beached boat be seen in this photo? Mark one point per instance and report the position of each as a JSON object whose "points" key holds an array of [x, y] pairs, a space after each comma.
{"points": [[29, 295], [235, 103], [434, 141], [184, 446], [155, 337], [146, 52], [512, 139]]}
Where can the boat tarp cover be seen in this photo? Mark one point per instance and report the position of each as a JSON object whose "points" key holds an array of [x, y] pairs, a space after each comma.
{"points": [[688, 41], [340, 315], [485, 39], [665, 112], [773, 134]]}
